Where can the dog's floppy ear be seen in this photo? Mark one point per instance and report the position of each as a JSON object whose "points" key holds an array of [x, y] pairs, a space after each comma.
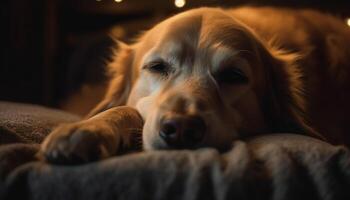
{"points": [[284, 103], [120, 71]]}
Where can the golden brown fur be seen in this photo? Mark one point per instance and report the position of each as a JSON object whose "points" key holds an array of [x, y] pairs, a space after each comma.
{"points": [[294, 65], [322, 43]]}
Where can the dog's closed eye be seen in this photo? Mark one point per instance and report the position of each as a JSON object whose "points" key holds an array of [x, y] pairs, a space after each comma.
{"points": [[158, 67], [231, 76]]}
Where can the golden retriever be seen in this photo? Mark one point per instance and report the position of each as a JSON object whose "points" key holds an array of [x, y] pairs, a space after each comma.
{"points": [[208, 76]]}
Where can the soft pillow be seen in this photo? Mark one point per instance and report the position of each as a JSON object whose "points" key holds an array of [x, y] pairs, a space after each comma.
{"points": [[278, 166]]}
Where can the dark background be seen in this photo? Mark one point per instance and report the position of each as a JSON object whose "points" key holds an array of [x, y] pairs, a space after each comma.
{"points": [[49, 48]]}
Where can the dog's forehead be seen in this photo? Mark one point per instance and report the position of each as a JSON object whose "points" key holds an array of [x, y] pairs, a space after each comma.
{"points": [[186, 25], [195, 27], [203, 29], [200, 37]]}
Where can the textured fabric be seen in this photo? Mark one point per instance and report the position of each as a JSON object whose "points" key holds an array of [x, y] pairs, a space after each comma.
{"points": [[22, 128], [283, 167], [28, 123]]}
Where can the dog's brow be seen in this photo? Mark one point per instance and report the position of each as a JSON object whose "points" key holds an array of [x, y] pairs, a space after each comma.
{"points": [[169, 52], [173, 47], [221, 53]]}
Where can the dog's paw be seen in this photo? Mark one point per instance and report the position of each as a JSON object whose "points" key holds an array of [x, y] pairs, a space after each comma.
{"points": [[74, 144]]}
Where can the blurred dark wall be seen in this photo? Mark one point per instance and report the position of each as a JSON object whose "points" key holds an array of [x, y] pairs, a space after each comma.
{"points": [[46, 44], [21, 63]]}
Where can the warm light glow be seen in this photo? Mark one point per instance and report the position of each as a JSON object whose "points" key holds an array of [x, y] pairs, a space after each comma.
{"points": [[180, 3], [348, 21], [98, 0], [118, 1], [118, 32]]}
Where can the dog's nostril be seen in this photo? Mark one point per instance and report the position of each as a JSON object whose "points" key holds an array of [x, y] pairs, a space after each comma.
{"points": [[169, 130]]}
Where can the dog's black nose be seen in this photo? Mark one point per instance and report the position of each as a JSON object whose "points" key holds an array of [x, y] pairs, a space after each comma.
{"points": [[182, 132]]}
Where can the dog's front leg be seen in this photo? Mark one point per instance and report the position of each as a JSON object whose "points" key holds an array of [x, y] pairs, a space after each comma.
{"points": [[114, 131]]}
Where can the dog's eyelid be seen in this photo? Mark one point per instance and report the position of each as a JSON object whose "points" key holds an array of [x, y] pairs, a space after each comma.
{"points": [[231, 75], [154, 62], [158, 67]]}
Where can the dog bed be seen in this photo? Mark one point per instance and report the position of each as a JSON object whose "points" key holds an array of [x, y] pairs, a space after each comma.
{"points": [[278, 166]]}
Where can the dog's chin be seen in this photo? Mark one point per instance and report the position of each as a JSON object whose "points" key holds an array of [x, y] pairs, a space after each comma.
{"points": [[152, 146], [153, 143], [156, 143]]}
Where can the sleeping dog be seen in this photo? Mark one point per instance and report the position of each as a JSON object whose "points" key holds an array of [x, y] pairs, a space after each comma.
{"points": [[208, 76]]}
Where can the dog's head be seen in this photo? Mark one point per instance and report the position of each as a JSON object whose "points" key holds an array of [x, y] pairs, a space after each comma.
{"points": [[202, 78]]}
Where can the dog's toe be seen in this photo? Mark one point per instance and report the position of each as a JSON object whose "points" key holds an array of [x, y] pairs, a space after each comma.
{"points": [[75, 147]]}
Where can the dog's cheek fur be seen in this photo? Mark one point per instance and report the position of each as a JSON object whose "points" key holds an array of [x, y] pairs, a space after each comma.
{"points": [[283, 103]]}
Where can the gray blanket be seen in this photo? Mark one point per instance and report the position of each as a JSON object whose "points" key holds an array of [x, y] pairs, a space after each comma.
{"points": [[280, 166]]}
